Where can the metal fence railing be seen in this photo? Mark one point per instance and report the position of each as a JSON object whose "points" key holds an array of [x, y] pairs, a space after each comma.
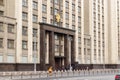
{"points": [[56, 74]]}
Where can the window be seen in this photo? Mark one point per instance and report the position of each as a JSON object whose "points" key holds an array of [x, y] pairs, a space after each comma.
{"points": [[1, 2], [10, 59], [79, 29], [44, 19], [1, 43], [56, 48], [1, 26], [10, 28], [1, 58], [79, 9], [34, 46], [24, 30], [10, 43], [67, 15], [56, 37], [73, 26], [44, 8], [56, 11], [73, 7], [79, 40], [1, 13], [35, 5], [25, 3], [56, 1], [73, 18], [67, 25], [24, 16], [51, 10], [24, 44], [35, 18], [34, 32], [79, 19], [67, 4], [24, 59]]}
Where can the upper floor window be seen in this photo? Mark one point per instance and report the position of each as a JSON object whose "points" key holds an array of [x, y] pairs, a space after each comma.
{"points": [[35, 46], [10, 28], [56, 1], [35, 5], [1, 42], [24, 30], [24, 45], [44, 8], [25, 3], [73, 17], [10, 43], [67, 25], [1, 26], [34, 32], [1, 13], [73, 7], [44, 19], [1, 2], [67, 15], [24, 16], [67, 4], [35, 18]]}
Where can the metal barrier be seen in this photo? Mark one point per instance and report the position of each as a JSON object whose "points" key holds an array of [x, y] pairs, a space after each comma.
{"points": [[56, 74]]}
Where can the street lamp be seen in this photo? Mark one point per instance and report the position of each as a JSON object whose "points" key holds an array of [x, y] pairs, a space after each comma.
{"points": [[34, 55]]}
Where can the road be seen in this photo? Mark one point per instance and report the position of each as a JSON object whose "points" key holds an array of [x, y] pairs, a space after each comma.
{"points": [[103, 77]]}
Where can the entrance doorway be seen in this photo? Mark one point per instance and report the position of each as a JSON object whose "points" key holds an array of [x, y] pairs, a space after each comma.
{"points": [[59, 63]]}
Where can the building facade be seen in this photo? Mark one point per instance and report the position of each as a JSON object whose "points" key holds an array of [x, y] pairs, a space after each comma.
{"points": [[59, 33]]}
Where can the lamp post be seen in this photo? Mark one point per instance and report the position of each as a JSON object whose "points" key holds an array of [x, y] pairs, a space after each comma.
{"points": [[34, 55]]}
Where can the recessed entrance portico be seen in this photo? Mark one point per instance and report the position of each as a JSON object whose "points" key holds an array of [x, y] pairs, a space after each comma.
{"points": [[57, 46]]}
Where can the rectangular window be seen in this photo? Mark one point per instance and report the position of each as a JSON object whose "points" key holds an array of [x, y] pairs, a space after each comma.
{"points": [[51, 9], [73, 18], [34, 32], [1, 43], [67, 4], [1, 26], [79, 29], [56, 1], [73, 26], [56, 48], [34, 46], [1, 2], [35, 18], [24, 30], [10, 59], [44, 19], [10, 43], [56, 37], [1, 58], [10, 28], [55, 11], [44, 8], [24, 16], [79, 9], [79, 40], [73, 7], [1, 13], [24, 59], [25, 3], [24, 45], [67, 15], [35, 5], [67, 25]]}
